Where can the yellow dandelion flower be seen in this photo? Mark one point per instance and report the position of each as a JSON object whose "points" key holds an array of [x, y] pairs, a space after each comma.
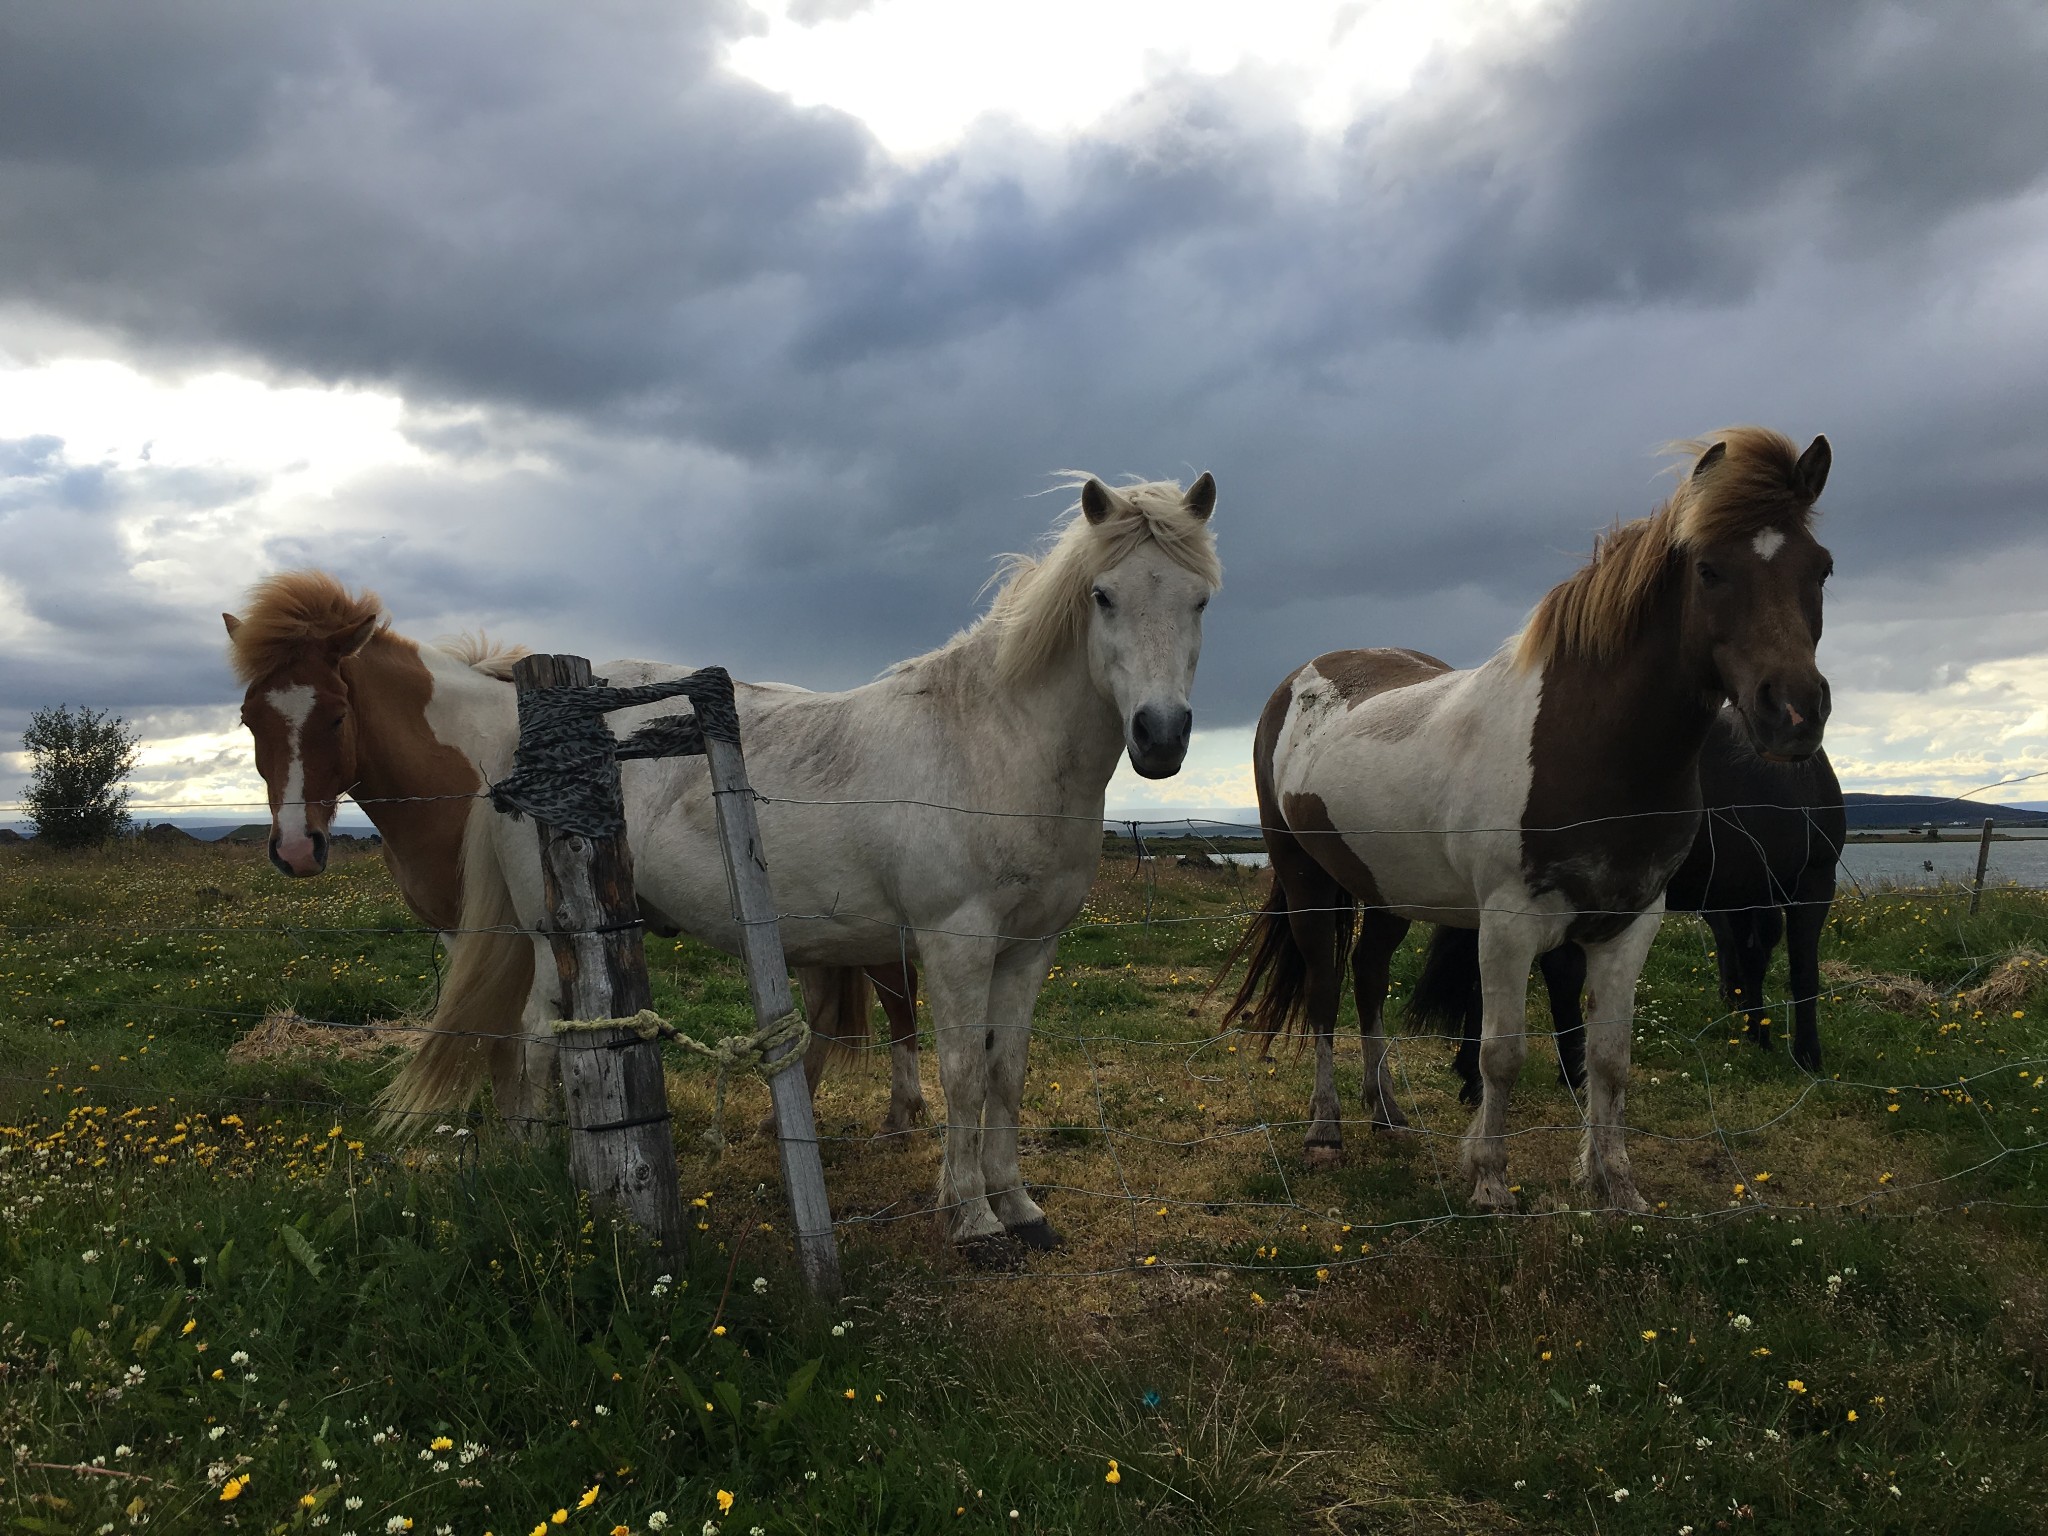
{"points": [[1151, 1258], [849, 1394], [190, 1324], [724, 1502], [589, 1497], [1322, 1274], [539, 1530], [231, 1490], [1114, 1474], [333, 1131], [307, 1501], [560, 1517], [440, 1443], [217, 1375], [718, 1332], [1546, 1354], [1852, 1415], [1760, 1352]]}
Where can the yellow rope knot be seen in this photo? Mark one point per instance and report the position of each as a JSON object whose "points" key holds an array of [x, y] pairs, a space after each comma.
{"points": [[750, 1053], [735, 1053]]}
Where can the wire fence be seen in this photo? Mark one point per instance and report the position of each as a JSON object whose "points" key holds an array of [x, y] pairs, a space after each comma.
{"points": [[1261, 1137]]}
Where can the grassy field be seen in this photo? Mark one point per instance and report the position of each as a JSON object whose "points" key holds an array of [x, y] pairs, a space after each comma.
{"points": [[225, 1302]]}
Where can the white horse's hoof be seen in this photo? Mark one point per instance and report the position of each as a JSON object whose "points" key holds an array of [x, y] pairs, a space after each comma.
{"points": [[1493, 1195], [1323, 1157]]}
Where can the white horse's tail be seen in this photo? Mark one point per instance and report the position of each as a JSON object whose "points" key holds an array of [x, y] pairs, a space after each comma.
{"points": [[476, 1028], [836, 998]]}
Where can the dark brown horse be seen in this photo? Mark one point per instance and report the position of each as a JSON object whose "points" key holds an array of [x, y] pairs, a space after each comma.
{"points": [[1548, 795]]}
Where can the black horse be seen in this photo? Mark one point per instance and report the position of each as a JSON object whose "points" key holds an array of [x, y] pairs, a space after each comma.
{"points": [[1762, 868]]}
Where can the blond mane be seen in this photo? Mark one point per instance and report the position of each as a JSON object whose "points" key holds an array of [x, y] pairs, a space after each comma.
{"points": [[292, 610], [1041, 602], [1752, 486]]}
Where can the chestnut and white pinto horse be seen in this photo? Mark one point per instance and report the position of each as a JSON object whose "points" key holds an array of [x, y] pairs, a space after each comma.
{"points": [[1548, 795], [949, 812], [341, 704]]}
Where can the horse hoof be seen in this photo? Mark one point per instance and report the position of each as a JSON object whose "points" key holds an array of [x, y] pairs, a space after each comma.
{"points": [[1493, 1199], [1039, 1235], [1323, 1157], [1395, 1130]]}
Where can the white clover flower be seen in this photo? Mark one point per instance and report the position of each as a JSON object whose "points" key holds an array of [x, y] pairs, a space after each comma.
{"points": [[1592, 1389], [216, 1432], [1773, 1436], [1618, 1495], [1702, 1443], [397, 1525], [91, 1255], [760, 1285], [812, 1477], [239, 1357], [1521, 1483], [1741, 1322], [602, 1411], [839, 1330], [353, 1501], [123, 1450], [1798, 1242], [710, 1528], [658, 1521]]}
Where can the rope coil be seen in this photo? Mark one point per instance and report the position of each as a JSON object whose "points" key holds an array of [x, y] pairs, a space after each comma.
{"points": [[756, 1053]]}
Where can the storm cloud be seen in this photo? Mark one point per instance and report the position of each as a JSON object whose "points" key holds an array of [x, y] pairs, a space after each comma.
{"points": [[699, 373]]}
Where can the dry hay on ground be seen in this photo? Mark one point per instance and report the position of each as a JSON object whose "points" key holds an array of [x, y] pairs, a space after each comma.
{"points": [[287, 1038], [1895, 993], [2007, 984]]}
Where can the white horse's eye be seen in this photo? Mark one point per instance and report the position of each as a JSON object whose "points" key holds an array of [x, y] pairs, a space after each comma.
{"points": [[1201, 604], [1102, 600]]}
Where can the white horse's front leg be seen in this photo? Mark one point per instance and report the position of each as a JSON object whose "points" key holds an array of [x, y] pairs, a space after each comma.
{"points": [[958, 972], [1611, 972], [1508, 945], [1013, 993]]}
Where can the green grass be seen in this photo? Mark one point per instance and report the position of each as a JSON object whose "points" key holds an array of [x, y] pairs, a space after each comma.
{"points": [[1259, 1345]]}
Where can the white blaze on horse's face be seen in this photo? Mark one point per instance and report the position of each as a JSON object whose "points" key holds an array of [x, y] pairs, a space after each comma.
{"points": [[1145, 636], [304, 730]]}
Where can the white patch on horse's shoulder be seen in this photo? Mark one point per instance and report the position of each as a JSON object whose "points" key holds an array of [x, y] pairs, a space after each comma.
{"points": [[1767, 543]]}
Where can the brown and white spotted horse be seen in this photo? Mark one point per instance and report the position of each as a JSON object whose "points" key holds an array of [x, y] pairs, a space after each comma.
{"points": [[1547, 795], [339, 704]]}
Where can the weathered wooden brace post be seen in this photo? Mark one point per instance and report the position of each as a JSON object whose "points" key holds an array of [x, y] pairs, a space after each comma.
{"points": [[1983, 858], [796, 1128], [621, 1147]]}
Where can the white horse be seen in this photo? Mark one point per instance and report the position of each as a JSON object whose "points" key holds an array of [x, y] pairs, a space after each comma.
{"points": [[948, 813]]}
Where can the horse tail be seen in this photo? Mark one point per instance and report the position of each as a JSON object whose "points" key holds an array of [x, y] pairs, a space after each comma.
{"points": [[1447, 1000], [1276, 960], [836, 998], [476, 1026]]}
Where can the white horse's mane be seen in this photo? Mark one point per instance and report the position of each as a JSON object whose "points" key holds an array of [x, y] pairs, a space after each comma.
{"points": [[1041, 601], [493, 658]]}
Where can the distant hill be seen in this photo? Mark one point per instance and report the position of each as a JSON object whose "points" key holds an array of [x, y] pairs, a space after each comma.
{"points": [[1870, 811]]}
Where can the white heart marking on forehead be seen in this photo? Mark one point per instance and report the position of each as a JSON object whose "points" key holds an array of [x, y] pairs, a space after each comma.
{"points": [[1768, 543]]}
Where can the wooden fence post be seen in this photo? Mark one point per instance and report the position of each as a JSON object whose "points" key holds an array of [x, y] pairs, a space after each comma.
{"points": [[1983, 858], [621, 1149], [796, 1129]]}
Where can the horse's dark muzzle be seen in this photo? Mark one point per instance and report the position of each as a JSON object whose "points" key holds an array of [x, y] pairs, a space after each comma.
{"points": [[1158, 739], [1789, 722]]}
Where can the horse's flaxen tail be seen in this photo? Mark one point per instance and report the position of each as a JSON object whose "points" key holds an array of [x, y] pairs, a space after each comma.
{"points": [[1448, 1000], [476, 1028], [1276, 960], [836, 1000]]}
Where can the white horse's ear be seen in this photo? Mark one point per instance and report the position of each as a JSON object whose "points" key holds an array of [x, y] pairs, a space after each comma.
{"points": [[1096, 502], [232, 623], [1709, 459], [1201, 497], [1811, 472], [348, 645]]}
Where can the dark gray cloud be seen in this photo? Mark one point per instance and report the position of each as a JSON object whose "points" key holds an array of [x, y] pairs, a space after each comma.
{"points": [[787, 398]]}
